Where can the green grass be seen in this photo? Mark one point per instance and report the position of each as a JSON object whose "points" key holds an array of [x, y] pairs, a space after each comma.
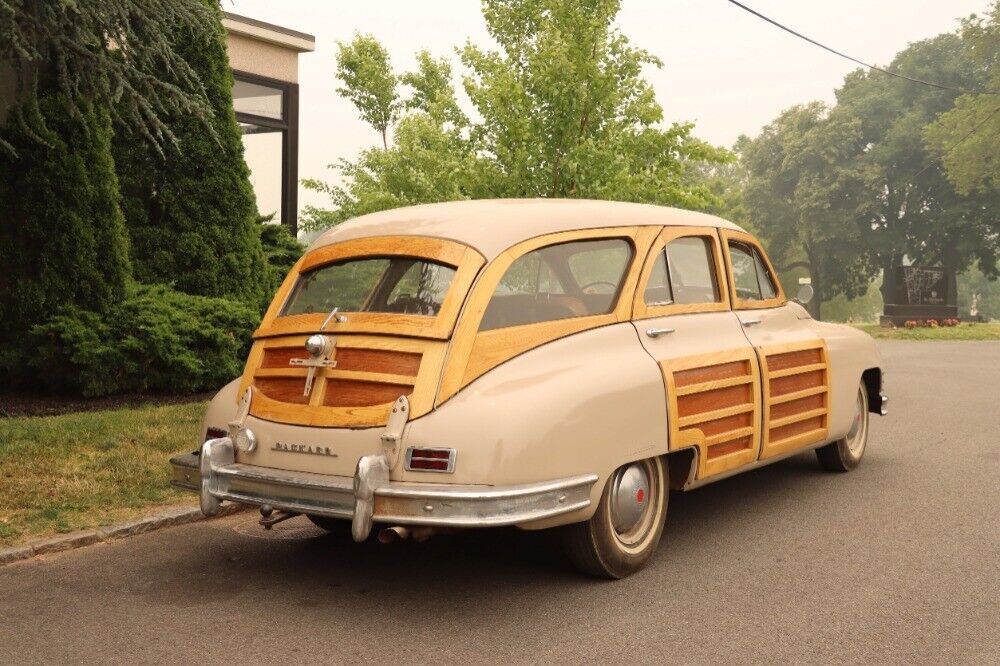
{"points": [[89, 469], [960, 332]]}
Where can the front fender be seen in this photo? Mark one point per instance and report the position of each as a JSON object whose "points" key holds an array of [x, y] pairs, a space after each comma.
{"points": [[851, 352]]}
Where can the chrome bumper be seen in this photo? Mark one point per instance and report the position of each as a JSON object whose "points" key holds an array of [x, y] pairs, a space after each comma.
{"points": [[370, 496]]}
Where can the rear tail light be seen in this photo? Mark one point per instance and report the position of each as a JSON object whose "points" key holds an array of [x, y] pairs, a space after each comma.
{"points": [[215, 433], [430, 460]]}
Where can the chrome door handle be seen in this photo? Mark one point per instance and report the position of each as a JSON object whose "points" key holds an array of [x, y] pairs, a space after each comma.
{"points": [[657, 332], [751, 322]]}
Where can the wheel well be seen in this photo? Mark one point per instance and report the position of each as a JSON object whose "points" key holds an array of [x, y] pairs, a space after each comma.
{"points": [[872, 377], [681, 466]]}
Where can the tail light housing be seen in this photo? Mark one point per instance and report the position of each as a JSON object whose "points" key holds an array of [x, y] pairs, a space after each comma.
{"points": [[430, 460]]}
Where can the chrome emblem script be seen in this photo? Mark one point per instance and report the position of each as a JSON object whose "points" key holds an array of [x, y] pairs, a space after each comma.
{"points": [[304, 448]]}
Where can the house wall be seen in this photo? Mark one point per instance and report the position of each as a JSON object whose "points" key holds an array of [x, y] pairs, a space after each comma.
{"points": [[263, 59]]}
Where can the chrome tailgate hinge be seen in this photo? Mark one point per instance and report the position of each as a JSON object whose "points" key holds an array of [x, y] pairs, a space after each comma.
{"points": [[393, 433]]}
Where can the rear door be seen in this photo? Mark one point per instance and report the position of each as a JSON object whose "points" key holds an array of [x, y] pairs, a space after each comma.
{"points": [[710, 372], [793, 360]]}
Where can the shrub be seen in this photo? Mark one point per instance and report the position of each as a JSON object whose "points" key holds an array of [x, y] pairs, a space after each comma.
{"points": [[62, 235], [910, 323], [191, 211], [156, 339], [933, 323], [281, 250]]}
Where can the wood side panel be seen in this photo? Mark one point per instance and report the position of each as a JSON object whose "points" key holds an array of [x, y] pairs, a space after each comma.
{"points": [[378, 360], [710, 401], [711, 373], [725, 448], [794, 359], [775, 435], [809, 403], [792, 383], [348, 393], [283, 389]]}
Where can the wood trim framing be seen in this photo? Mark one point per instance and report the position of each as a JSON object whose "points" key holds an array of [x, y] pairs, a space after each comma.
{"points": [[798, 416], [420, 387], [642, 311], [467, 261], [713, 403], [739, 304], [473, 352]]}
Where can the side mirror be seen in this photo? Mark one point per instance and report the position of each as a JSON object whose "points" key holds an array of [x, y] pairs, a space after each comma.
{"points": [[805, 294]]}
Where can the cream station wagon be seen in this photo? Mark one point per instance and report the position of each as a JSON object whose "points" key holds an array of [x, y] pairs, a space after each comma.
{"points": [[538, 363]]}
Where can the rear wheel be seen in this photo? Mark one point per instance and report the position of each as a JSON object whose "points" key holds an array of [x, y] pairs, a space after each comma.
{"points": [[845, 454], [627, 525]]}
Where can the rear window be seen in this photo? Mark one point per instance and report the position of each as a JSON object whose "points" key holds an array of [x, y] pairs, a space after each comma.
{"points": [[372, 284]]}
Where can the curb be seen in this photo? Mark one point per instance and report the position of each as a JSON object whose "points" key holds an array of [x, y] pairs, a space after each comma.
{"points": [[57, 544]]}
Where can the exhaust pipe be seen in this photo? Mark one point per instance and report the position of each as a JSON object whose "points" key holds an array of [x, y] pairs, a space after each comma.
{"points": [[391, 534]]}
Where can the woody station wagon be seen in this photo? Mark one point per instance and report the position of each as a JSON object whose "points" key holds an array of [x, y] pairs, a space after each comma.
{"points": [[538, 363]]}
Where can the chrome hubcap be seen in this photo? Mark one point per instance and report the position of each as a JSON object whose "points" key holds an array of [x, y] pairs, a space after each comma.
{"points": [[857, 435], [630, 497]]}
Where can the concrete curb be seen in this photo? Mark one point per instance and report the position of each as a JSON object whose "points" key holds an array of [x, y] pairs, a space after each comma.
{"points": [[177, 516]]}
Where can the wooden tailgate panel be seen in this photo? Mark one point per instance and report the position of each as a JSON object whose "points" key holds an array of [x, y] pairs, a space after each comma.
{"points": [[714, 404], [796, 378]]}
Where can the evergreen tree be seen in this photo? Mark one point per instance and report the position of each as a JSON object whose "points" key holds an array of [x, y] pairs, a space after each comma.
{"points": [[62, 234], [191, 211]]}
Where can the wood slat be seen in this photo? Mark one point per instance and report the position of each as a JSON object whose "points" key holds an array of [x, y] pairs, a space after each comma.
{"points": [[725, 448], [794, 418], [348, 393], [727, 424], [685, 378], [795, 395], [688, 421], [714, 384], [283, 389], [709, 401], [794, 359], [376, 377], [379, 360], [729, 436], [782, 385], [799, 370], [817, 423], [808, 403], [279, 357]]}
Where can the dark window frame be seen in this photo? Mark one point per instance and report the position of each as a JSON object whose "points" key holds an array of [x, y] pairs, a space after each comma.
{"points": [[289, 128]]}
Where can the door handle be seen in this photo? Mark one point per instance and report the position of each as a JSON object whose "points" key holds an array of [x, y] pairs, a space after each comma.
{"points": [[657, 332], [751, 322]]}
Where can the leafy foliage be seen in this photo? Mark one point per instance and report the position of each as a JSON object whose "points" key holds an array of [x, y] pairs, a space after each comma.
{"points": [[62, 235], [191, 212], [155, 339], [281, 251], [802, 193], [561, 109], [104, 52], [967, 138]]}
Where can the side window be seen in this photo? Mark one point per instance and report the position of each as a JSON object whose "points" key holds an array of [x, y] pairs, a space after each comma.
{"points": [[751, 278], [684, 273], [744, 272], [559, 282]]}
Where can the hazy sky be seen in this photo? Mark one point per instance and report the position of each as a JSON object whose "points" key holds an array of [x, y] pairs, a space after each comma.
{"points": [[725, 70]]}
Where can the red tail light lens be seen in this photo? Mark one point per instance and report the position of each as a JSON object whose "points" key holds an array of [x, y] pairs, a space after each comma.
{"points": [[430, 460]]}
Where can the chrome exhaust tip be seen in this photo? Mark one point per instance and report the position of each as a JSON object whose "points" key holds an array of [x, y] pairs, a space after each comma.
{"points": [[393, 534]]}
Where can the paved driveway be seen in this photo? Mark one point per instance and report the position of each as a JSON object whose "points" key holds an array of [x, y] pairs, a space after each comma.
{"points": [[898, 561]]}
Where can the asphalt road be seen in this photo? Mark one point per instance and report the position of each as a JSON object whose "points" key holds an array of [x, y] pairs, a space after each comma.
{"points": [[898, 561]]}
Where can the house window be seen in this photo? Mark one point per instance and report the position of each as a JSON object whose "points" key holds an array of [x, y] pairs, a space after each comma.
{"points": [[267, 111]]}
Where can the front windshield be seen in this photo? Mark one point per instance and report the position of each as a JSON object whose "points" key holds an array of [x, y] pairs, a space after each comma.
{"points": [[373, 284]]}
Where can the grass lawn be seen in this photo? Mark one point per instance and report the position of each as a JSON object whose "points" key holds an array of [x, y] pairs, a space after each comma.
{"points": [[960, 332], [89, 469]]}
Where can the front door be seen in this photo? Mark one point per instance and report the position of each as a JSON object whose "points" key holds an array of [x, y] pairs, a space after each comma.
{"points": [[710, 372], [793, 360]]}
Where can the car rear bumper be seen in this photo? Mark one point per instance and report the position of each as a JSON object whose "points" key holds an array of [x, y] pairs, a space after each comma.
{"points": [[369, 496]]}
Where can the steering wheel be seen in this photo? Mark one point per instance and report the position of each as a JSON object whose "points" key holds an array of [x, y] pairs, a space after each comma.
{"points": [[585, 288]]}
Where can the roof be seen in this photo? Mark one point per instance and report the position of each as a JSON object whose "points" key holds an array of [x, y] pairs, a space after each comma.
{"points": [[269, 32], [493, 225]]}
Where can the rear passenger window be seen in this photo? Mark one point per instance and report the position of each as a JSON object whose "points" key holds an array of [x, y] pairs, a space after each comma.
{"points": [[559, 282], [752, 280], [684, 273]]}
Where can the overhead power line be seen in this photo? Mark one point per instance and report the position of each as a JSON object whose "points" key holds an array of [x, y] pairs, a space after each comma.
{"points": [[876, 68]]}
